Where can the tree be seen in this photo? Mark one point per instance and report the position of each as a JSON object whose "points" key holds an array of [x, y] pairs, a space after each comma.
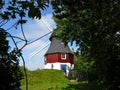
{"points": [[81, 63], [16, 10], [94, 26], [10, 73], [20, 11]]}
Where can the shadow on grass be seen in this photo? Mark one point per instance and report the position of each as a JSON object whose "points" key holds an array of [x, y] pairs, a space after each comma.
{"points": [[83, 86], [79, 86]]}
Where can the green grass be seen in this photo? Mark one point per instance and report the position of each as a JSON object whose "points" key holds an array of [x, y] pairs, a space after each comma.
{"points": [[54, 80], [45, 80]]}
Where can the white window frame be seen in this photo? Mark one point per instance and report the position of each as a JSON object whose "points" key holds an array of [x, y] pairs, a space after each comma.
{"points": [[63, 56]]}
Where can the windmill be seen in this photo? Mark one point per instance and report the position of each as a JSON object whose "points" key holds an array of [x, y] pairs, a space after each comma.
{"points": [[58, 56]]}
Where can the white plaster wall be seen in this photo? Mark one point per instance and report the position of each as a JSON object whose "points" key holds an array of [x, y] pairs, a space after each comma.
{"points": [[57, 66]]}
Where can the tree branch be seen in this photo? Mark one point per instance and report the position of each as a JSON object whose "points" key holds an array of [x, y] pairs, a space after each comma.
{"points": [[11, 26], [3, 22], [18, 38], [18, 51]]}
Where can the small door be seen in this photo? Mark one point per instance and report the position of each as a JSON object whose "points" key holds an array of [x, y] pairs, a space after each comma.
{"points": [[63, 67]]}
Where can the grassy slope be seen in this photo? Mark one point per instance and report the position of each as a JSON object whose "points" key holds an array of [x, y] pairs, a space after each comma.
{"points": [[45, 80]]}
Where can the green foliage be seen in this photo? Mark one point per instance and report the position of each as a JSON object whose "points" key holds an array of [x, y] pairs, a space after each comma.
{"points": [[94, 25], [13, 9], [18, 7], [17, 11], [10, 73], [82, 63]]}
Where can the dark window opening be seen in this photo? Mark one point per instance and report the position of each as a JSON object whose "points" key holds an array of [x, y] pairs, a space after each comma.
{"points": [[63, 56]]}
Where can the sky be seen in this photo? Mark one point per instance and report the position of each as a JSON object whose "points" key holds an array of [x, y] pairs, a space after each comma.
{"points": [[34, 29]]}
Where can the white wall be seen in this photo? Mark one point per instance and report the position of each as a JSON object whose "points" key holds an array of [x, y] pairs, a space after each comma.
{"points": [[57, 66]]}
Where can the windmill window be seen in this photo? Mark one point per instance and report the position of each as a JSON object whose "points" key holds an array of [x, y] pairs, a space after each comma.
{"points": [[63, 56]]}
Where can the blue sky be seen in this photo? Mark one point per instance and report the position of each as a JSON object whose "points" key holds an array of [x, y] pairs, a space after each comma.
{"points": [[34, 29]]}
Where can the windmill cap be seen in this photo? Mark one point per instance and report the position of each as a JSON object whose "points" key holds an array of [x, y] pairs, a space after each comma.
{"points": [[57, 46], [52, 36]]}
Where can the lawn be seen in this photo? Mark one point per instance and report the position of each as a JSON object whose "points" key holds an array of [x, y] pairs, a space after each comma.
{"points": [[46, 80]]}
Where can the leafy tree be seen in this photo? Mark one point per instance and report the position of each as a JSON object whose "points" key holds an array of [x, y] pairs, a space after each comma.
{"points": [[94, 25], [12, 9], [17, 11], [84, 67], [10, 73], [82, 64]]}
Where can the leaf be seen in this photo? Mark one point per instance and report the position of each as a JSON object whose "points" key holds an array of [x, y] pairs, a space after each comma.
{"points": [[10, 8], [22, 13], [34, 13], [22, 22]]}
